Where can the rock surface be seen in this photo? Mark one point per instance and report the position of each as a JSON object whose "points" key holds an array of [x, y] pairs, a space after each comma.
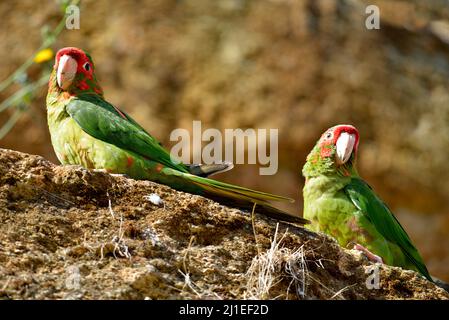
{"points": [[70, 233]]}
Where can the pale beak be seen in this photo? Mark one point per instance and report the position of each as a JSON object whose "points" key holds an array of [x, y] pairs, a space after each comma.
{"points": [[345, 145], [66, 71]]}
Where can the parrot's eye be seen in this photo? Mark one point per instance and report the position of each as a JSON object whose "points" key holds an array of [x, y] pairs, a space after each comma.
{"points": [[86, 66], [329, 135]]}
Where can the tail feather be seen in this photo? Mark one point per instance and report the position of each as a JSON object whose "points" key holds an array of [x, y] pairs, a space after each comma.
{"points": [[441, 284], [244, 198], [233, 190], [207, 170]]}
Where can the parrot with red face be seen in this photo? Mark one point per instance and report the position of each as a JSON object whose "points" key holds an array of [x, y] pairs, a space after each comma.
{"points": [[87, 130], [338, 202]]}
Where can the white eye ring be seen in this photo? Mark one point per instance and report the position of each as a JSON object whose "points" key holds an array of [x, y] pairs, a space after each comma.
{"points": [[329, 135], [86, 66]]}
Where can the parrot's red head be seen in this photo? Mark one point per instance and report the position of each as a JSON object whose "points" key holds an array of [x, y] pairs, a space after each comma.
{"points": [[74, 71], [341, 142], [335, 152]]}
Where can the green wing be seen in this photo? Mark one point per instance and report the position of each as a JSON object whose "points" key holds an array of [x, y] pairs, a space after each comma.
{"points": [[103, 121], [364, 198]]}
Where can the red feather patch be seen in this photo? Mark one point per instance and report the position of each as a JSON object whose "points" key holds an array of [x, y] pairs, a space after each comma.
{"points": [[129, 162]]}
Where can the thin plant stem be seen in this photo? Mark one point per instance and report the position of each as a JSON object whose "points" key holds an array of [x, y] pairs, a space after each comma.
{"points": [[46, 43], [9, 102], [10, 123]]}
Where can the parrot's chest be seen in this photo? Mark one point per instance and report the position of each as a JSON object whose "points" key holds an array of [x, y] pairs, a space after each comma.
{"points": [[71, 144], [330, 211], [74, 146]]}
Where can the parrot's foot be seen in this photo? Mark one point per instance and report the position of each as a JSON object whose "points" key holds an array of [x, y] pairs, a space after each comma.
{"points": [[371, 256]]}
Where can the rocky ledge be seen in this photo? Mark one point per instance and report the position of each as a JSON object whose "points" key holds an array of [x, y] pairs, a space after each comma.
{"points": [[70, 233]]}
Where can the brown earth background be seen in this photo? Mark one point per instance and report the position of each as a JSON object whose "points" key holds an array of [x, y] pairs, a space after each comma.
{"points": [[296, 65]]}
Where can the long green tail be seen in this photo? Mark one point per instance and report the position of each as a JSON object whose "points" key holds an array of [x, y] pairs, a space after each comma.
{"points": [[236, 196]]}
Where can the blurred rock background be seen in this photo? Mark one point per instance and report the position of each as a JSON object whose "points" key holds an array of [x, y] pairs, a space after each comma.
{"points": [[297, 65]]}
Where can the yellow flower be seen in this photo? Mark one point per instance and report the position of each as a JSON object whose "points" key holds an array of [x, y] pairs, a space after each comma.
{"points": [[43, 55]]}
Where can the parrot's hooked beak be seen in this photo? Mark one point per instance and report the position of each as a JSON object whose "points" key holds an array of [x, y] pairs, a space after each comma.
{"points": [[345, 145], [66, 71]]}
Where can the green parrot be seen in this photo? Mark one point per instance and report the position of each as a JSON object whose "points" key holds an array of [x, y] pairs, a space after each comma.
{"points": [[338, 202], [87, 130]]}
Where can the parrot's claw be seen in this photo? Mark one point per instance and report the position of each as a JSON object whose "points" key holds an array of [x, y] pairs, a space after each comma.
{"points": [[371, 256]]}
